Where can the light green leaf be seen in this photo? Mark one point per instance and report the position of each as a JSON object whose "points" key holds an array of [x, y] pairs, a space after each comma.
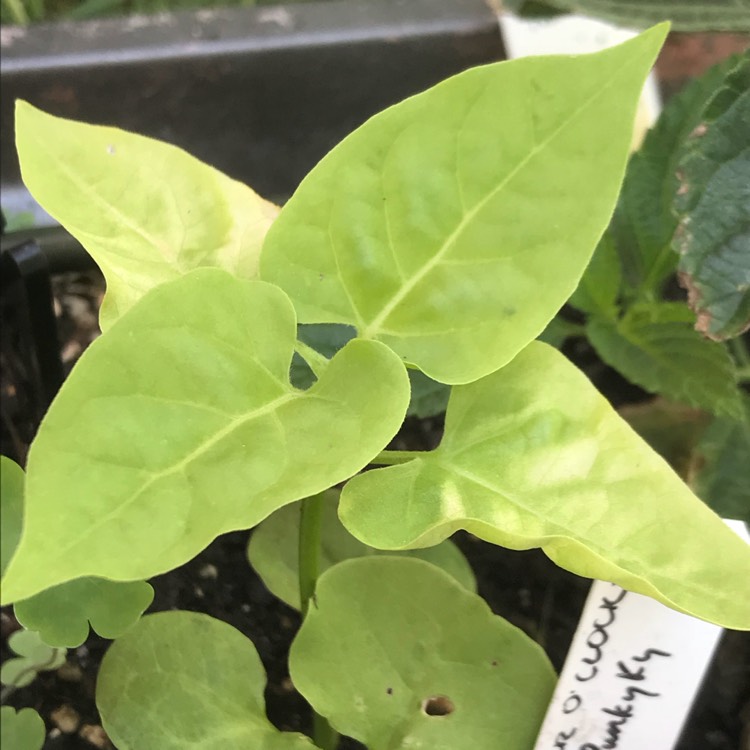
{"points": [[644, 221], [656, 347], [185, 681], [34, 656], [534, 456], [432, 226], [21, 730], [61, 615], [274, 550], [11, 509], [720, 466], [685, 15], [713, 237], [180, 424], [416, 643], [146, 211]]}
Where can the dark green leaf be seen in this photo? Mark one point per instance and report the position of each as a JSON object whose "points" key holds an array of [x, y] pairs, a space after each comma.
{"points": [[720, 474], [644, 223], [714, 203], [656, 347]]}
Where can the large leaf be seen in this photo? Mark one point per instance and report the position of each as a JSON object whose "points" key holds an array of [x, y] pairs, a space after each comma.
{"points": [[398, 655], [61, 615], [534, 456], [22, 730], [11, 509], [146, 211], [180, 424], [714, 200], [656, 347], [274, 550], [184, 681], [720, 466], [685, 15], [644, 222], [454, 225]]}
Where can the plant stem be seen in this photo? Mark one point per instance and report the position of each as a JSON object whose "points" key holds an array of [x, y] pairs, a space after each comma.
{"points": [[311, 517], [18, 12], [391, 458], [741, 354], [315, 360]]}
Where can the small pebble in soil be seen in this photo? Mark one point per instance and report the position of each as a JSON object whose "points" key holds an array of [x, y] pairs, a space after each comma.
{"points": [[208, 571], [66, 719], [95, 735], [70, 672]]}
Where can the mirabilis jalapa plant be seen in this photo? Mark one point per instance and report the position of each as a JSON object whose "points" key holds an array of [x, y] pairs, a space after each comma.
{"points": [[447, 231]]}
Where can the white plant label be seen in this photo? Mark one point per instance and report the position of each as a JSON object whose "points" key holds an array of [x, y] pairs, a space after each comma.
{"points": [[631, 674]]}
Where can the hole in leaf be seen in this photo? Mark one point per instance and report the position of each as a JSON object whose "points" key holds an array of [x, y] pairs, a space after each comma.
{"points": [[438, 705]]}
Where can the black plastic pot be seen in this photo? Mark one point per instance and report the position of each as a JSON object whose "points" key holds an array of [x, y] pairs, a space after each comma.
{"points": [[260, 93]]}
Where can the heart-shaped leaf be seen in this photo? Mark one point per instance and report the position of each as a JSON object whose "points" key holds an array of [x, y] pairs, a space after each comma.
{"points": [[534, 456], [34, 656], [180, 424], [61, 614], [146, 211], [185, 681], [11, 509], [435, 225], [396, 654], [22, 730], [274, 550]]}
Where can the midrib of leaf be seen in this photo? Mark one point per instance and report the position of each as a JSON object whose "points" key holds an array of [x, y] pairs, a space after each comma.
{"points": [[92, 195], [374, 326], [178, 466]]}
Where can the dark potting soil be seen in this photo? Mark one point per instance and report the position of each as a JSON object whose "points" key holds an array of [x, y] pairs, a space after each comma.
{"points": [[524, 587]]}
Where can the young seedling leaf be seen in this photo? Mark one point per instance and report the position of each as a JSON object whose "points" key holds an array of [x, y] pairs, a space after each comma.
{"points": [[713, 237], [274, 550], [656, 347], [534, 456], [721, 461], [146, 211], [11, 509], [432, 226], [21, 730], [180, 424], [34, 656], [61, 614], [185, 681], [644, 221], [685, 15], [417, 661]]}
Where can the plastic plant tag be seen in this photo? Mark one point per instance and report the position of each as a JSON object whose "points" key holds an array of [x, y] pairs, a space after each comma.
{"points": [[631, 674], [573, 34]]}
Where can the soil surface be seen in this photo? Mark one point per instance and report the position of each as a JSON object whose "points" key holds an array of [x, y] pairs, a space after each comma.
{"points": [[524, 587]]}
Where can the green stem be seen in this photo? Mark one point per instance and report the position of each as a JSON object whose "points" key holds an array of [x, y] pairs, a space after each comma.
{"points": [[391, 458], [18, 12], [316, 361], [311, 517], [741, 354]]}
